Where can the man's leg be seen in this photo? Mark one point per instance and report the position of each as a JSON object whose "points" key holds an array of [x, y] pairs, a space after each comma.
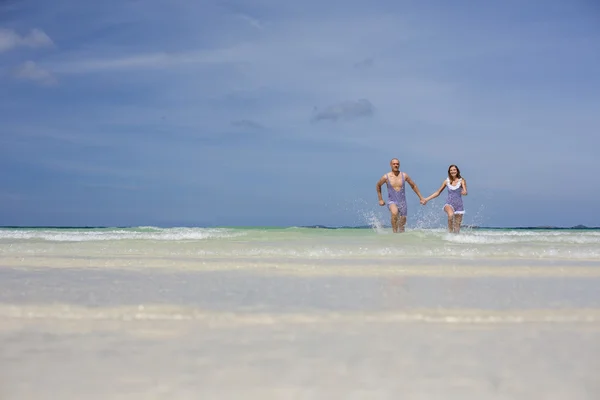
{"points": [[450, 213], [457, 221], [394, 211]]}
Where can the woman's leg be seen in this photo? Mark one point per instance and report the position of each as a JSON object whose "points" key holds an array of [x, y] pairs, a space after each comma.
{"points": [[457, 221], [450, 213]]}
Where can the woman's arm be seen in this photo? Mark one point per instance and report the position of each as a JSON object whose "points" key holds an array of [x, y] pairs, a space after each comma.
{"points": [[437, 192], [464, 187]]}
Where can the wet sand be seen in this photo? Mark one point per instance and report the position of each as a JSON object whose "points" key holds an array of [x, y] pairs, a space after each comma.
{"points": [[73, 333]]}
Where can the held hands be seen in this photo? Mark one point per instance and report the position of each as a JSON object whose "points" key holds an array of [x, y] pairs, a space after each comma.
{"points": [[423, 201]]}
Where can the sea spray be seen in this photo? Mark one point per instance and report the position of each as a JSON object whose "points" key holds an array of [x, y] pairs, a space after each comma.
{"points": [[429, 216], [477, 218], [374, 221]]}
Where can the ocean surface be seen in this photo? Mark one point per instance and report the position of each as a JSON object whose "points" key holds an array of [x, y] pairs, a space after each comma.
{"points": [[314, 245], [299, 313]]}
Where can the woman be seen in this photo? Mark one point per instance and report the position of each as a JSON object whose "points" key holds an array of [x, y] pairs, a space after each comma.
{"points": [[457, 187]]}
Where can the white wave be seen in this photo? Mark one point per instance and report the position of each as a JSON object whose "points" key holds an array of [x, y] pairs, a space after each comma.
{"points": [[376, 252], [167, 234], [301, 243], [152, 312], [490, 237]]}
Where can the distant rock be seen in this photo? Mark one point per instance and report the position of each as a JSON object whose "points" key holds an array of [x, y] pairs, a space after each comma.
{"points": [[580, 227]]}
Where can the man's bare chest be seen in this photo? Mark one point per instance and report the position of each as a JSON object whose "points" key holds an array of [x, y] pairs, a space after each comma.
{"points": [[396, 181]]}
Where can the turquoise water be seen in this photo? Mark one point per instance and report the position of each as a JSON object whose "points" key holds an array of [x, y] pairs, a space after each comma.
{"points": [[312, 244]]}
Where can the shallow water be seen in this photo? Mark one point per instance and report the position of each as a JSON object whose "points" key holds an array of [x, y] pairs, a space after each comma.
{"points": [[303, 243], [145, 313]]}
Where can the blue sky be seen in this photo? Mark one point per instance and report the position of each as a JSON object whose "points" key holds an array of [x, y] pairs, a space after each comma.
{"points": [[268, 112]]}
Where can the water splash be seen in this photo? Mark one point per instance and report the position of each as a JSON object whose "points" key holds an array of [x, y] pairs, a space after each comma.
{"points": [[430, 216], [479, 217], [366, 213], [374, 221]]}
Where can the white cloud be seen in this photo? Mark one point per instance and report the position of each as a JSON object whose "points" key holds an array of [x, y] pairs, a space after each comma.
{"points": [[9, 39], [31, 71], [160, 60]]}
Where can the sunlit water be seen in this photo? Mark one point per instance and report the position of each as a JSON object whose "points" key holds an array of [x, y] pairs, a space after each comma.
{"points": [[309, 244], [286, 313]]}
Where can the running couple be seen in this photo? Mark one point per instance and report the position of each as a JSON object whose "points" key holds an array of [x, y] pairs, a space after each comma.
{"points": [[395, 181]]}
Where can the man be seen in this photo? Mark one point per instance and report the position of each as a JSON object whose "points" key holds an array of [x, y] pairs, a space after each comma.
{"points": [[395, 182]]}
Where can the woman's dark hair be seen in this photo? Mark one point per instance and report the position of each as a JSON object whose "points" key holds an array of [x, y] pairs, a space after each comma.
{"points": [[457, 173]]}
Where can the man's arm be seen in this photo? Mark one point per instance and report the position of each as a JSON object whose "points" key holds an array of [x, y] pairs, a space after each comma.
{"points": [[413, 185], [380, 182]]}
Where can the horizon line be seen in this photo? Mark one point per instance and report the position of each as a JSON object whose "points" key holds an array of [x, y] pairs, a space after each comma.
{"points": [[315, 226]]}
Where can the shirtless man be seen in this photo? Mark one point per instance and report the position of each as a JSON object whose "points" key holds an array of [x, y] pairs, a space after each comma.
{"points": [[396, 194]]}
